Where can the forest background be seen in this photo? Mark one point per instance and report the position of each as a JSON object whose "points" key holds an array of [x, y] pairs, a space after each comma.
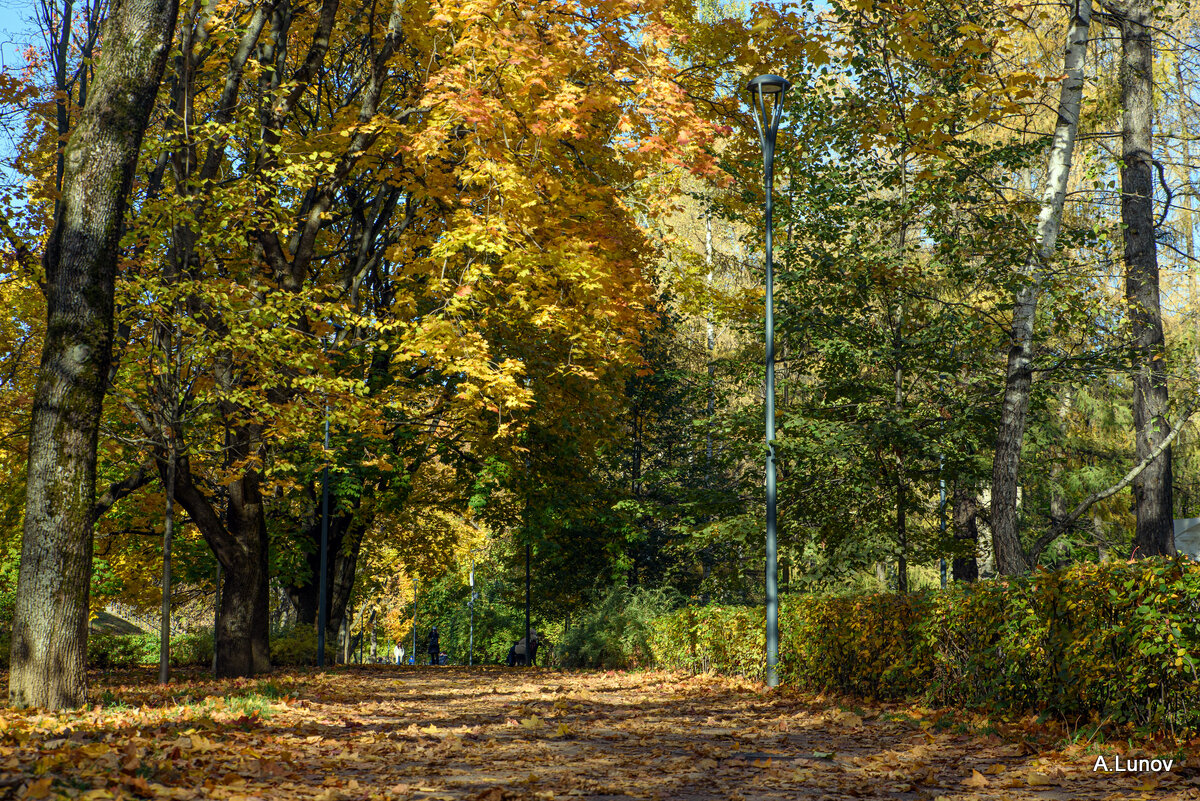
{"points": [[492, 271]]}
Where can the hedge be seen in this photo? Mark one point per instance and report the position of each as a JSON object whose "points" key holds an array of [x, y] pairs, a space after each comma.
{"points": [[1116, 641]]}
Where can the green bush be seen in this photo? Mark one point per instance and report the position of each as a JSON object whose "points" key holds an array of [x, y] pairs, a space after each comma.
{"points": [[615, 633], [131, 650], [298, 646], [1112, 641]]}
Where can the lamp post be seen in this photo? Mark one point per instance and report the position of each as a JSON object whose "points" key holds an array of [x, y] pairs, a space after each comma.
{"points": [[767, 93], [322, 586], [322, 582], [471, 603], [414, 651]]}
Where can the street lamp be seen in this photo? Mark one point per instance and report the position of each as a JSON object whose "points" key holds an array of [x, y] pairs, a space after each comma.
{"points": [[323, 581], [414, 653], [471, 603], [767, 92], [322, 584]]}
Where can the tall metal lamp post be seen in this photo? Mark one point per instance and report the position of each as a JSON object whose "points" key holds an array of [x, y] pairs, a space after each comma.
{"points": [[471, 604], [767, 92], [322, 583]]}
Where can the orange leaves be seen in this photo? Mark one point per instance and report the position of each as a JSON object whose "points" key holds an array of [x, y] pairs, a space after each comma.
{"points": [[495, 734]]}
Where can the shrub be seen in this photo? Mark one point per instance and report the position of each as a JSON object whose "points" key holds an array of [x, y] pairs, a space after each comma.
{"points": [[1114, 640], [615, 633], [131, 650], [298, 646]]}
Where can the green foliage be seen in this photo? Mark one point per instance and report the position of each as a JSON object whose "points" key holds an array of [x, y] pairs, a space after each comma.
{"points": [[719, 638], [107, 651], [1112, 640], [298, 646], [616, 632]]}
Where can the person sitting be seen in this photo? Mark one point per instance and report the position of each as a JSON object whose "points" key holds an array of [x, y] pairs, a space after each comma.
{"points": [[517, 654]]}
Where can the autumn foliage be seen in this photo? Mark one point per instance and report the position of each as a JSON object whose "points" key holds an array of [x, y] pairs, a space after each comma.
{"points": [[1113, 642]]}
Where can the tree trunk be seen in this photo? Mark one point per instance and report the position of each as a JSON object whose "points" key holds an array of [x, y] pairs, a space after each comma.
{"points": [[243, 637], [1018, 379], [306, 596], [1152, 488], [49, 636], [240, 545], [341, 576], [966, 529]]}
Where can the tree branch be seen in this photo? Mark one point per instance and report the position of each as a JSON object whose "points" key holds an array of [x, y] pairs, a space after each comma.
{"points": [[120, 489], [1058, 528]]}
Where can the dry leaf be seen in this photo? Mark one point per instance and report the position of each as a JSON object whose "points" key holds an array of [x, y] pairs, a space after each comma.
{"points": [[976, 779], [39, 788]]}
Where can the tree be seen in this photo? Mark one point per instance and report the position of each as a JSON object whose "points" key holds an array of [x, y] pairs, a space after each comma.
{"points": [[1010, 558], [1148, 357], [49, 639]]}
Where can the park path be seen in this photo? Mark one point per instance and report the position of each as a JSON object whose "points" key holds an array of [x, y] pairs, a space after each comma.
{"points": [[494, 734]]}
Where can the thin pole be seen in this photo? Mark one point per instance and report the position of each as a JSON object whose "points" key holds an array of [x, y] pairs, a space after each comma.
{"points": [[216, 616], [528, 644], [772, 552], [766, 119], [322, 621], [471, 603], [942, 516], [414, 653], [164, 651]]}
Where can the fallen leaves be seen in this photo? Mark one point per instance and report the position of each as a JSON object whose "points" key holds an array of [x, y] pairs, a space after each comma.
{"points": [[393, 734]]}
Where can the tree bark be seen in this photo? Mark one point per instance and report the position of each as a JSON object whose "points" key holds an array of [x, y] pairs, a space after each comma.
{"points": [[966, 529], [49, 637], [240, 545], [244, 632], [1018, 379], [305, 596], [1152, 488]]}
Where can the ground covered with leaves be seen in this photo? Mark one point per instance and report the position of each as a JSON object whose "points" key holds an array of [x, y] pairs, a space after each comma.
{"points": [[496, 734]]}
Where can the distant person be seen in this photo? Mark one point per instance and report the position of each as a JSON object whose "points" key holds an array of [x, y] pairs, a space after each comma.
{"points": [[398, 654], [433, 649], [517, 654], [443, 658]]}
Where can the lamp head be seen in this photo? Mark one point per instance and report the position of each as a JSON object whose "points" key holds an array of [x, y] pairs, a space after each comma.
{"points": [[769, 84]]}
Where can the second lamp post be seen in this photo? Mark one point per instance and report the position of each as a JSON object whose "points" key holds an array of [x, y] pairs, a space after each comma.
{"points": [[767, 93]]}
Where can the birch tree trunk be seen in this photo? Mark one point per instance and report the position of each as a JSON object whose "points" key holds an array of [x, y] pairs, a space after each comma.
{"points": [[1018, 379], [1152, 488], [49, 635]]}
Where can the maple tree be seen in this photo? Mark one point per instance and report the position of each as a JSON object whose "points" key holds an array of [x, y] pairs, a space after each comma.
{"points": [[443, 223], [495, 268], [50, 620]]}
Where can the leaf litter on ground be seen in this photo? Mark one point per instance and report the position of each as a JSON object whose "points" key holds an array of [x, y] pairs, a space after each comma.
{"points": [[379, 733]]}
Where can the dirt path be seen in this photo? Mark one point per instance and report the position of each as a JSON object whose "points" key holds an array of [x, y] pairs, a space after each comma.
{"points": [[500, 735]]}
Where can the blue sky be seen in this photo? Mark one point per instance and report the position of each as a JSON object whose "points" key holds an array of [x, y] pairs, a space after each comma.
{"points": [[16, 31]]}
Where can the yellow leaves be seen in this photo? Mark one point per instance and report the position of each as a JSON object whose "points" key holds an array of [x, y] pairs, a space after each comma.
{"points": [[847, 720], [39, 788], [976, 780]]}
